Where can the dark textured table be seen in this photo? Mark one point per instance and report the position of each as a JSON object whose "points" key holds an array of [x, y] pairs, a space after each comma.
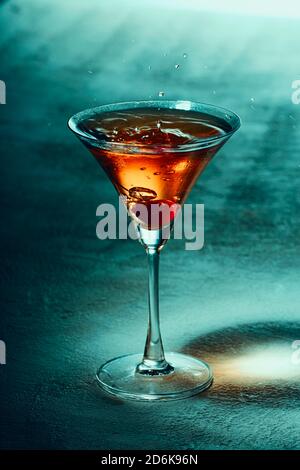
{"points": [[70, 301]]}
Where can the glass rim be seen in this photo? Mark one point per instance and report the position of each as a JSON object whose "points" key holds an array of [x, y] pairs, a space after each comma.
{"points": [[231, 118]]}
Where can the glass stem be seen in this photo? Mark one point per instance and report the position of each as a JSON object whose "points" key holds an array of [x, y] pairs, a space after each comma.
{"points": [[153, 362]]}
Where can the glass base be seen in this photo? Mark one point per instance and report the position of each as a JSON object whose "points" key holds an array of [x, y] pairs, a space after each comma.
{"points": [[190, 376]]}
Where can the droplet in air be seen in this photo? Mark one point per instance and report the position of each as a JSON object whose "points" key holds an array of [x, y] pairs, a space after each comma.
{"points": [[166, 179], [184, 55], [252, 100], [142, 194], [176, 66], [158, 124], [157, 173], [161, 93]]}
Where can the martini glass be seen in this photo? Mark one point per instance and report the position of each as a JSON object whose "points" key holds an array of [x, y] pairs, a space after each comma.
{"points": [[153, 152]]}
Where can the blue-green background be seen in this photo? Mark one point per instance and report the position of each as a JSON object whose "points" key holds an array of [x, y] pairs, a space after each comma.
{"points": [[69, 301]]}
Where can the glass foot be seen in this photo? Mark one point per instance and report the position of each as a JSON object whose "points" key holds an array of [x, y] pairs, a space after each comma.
{"points": [[188, 377]]}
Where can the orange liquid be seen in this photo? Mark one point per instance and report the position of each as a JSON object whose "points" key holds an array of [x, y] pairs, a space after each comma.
{"points": [[164, 176]]}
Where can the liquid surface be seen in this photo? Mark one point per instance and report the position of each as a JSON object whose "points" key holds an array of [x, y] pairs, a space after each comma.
{"points": [[164, 175]]}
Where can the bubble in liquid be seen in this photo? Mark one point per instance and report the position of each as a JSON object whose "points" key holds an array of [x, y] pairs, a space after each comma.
{"points": [[252, 100], [184, 55], [149, 67], [142, 194], [90, 71], [161, 93], [214, 92], [176, 66]]}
